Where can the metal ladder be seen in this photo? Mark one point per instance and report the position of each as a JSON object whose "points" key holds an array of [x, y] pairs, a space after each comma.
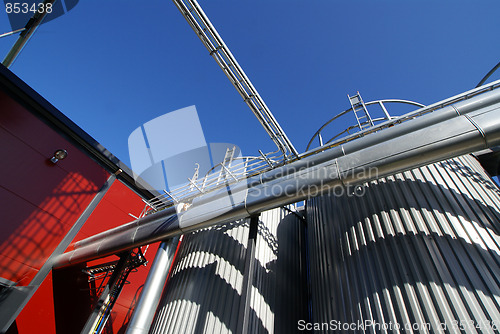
{"points": [[362, 115], [128, 261], [228, 158]]}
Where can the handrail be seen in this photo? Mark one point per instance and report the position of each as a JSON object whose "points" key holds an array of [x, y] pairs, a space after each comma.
{"points": [[379, 102], [411, 115], [248, 167], [251, 166]]}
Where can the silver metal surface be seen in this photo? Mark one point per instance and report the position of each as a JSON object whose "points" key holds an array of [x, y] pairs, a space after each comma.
{"points": [[26, 34], [426, 139], [246, 167], [419, 248], [278, 297], [205, 284], [207, 33], [143, 315], [206, 287]]}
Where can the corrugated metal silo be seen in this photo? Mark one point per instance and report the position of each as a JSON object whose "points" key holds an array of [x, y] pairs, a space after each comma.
{"points": [[418, 249], [237, 278]]}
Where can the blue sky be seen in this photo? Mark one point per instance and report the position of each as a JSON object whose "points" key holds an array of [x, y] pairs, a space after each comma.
{"points": [[112, 66]]}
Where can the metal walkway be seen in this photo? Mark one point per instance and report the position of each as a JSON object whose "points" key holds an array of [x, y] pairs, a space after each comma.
{"points": [[204, 29], [245, 167]]}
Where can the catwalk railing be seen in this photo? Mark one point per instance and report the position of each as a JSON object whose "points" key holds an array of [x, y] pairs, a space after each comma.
{"points": [[464, 124], [246, 167], [217, 177]]}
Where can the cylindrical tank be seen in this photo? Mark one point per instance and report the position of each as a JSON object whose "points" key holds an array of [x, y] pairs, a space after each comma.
{"points": [[208, 290], [416, 252]]}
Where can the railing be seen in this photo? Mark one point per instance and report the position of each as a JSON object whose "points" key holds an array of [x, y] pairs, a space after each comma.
{"points": [[380, 103], [397, 120], [217, 177]]}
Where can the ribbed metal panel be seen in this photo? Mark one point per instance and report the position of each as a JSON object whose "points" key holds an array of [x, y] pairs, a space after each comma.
{"points": [[418, 249], [205, 291], [279, 295]]}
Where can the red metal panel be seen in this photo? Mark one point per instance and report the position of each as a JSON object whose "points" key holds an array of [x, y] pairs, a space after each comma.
{"points": [[40, 200], [38, 315], [72, 301], [40, 203], [112, 211], [15, 271], [28, 236], [118, 319], [20, 122], [125, 199]]}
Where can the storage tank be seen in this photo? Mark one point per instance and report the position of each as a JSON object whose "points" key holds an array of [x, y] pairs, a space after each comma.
{"points": [[243, 277], [416, 252]]}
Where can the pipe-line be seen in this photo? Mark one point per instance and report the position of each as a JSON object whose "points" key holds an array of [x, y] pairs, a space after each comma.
{"points": [[458, 129]]}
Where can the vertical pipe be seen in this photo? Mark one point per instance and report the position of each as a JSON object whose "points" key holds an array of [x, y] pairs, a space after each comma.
{"points": [[248, 275], [148, 301]]}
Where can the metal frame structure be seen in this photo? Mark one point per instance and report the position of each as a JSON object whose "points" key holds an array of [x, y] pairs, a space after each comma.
{"points": [[216, 178], [483, 80], [209, 36], [252, 166], [356, 127], [407, 117], [101, 313], [465, 124]]}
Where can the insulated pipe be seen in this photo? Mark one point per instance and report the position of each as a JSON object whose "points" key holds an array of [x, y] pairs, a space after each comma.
{"points": [[312, 157], [142, 318], [458, 129]]}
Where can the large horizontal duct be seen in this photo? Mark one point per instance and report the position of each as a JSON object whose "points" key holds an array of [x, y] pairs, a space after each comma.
{"points": [[457, 129]]}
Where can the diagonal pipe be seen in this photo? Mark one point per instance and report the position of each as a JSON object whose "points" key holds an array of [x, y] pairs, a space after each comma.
{"points": [[457, 129]]}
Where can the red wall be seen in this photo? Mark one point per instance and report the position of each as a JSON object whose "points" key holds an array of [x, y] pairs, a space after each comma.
{"points": [[39, 314], [40, 203], [40, 200], [113, 210]]}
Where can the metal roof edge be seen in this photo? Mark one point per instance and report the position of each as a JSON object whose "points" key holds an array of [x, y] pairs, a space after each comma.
{"points": [[49, 114]]}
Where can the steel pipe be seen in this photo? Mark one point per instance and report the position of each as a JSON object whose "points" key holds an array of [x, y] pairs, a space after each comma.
{"points": [[465, 127], [143, 315], [26, 34]]}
